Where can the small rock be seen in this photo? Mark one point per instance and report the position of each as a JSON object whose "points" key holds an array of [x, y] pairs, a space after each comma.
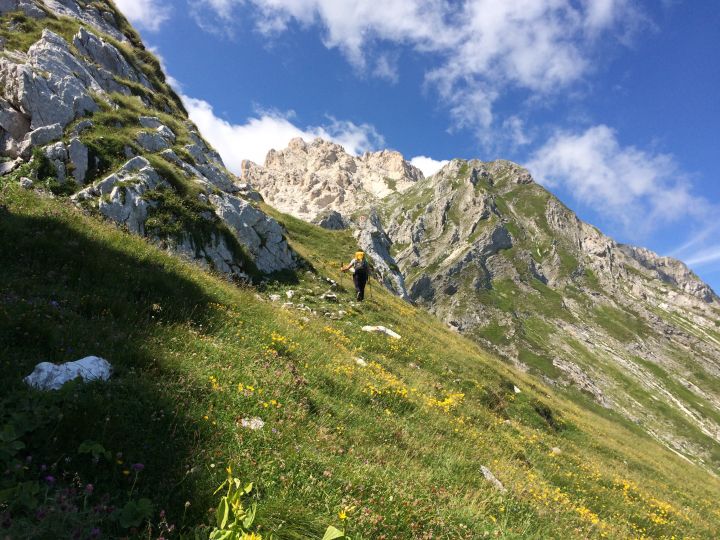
{"points": [[382, 330], [26, 183], [490, 477], [555, 451], [330, 297], [413, 365], [290, 294], [516, 389], [287, 305], [274, 297], [253, 423], [150, 122], [47, 376], [82, 126], [360, 362]]}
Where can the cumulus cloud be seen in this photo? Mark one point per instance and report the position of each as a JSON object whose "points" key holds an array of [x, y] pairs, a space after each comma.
{"points": [[272, 129], [147, 14], [641, 190], [428, 165], [477, 49]]}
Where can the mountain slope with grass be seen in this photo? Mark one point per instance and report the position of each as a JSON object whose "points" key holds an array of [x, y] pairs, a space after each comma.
{"points": [[501, 260], [390, 435], [239, 353]]}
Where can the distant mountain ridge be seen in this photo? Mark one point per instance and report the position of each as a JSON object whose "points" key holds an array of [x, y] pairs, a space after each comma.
{"points": [[499, 258]]}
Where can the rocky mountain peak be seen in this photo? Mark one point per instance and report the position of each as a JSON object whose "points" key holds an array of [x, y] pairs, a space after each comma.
{"points": [[311, 179]]}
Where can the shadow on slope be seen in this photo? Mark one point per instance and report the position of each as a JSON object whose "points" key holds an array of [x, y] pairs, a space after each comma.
{"points": [[65, 294]]}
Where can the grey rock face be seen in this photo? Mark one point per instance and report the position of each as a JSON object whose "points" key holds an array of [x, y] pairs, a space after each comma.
{"points": [[124, 203], [88, 14], [78, 155], [150, 122], [26, 183], [262, 235], [26, 6], [13, 121], [107, 56], [38, 137], [331, 220], [152, 142]]}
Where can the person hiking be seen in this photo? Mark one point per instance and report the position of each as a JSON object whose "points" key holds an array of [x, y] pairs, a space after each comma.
{"points": [[358, 266]]}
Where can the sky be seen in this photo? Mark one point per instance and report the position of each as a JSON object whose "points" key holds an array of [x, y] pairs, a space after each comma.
{"points": [[613, 105]]}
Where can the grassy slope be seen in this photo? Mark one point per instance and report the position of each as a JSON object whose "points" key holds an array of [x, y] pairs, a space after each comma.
{"points": [[401, 444]]}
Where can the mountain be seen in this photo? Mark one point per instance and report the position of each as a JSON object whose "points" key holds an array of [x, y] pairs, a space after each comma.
{"points": [[500, 259], [89, 104], [546, 381]]}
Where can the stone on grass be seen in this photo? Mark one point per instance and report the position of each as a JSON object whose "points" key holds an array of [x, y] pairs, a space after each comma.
{"points": [[48, 376], [555, 451], [274, 297], [253, 423], [360, 362], [330, 297], [26, 183], [516, 389], [490, 477], [381, 330]]}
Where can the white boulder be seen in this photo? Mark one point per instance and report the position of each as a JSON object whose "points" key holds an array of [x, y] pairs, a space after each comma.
{"points": [[48, 376], [381, 330]]}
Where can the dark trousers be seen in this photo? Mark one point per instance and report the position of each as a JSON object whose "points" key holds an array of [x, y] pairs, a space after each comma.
{"points": [[360, 280]]}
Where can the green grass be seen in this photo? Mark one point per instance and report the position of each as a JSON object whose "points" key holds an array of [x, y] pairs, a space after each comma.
{"points": [[395, 440], [622, 325]]}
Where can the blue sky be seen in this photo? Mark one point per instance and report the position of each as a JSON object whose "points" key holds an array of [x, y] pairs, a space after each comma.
{"points": [[614, 105]]}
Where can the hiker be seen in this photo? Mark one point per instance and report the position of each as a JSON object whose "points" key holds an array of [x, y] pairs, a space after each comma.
{"points": [[358, 266]]}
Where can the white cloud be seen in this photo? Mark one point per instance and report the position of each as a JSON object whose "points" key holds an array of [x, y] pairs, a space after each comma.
{"points": [[640, 190], [148, 14], [477, 49], [271, 129], [428, 165], [704, 256]]}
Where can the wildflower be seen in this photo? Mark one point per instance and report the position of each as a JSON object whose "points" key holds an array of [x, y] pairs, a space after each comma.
{"points": [[137, 467], [89, 489], [342, 515], [50, 479], [126, 472]]}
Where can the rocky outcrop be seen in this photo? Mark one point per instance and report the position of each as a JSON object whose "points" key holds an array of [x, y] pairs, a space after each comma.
{"points": [[44, 95], [261, 235], [307, 179]]}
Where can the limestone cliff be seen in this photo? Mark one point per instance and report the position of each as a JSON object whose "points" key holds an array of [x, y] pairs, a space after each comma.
{"points": [[85, 111]]}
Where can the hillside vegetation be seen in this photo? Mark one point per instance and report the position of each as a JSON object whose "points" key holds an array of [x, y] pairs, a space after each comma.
{"points": [[389, 449]]}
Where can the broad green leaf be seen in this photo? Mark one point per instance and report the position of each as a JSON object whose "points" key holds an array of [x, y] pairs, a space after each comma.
{"points": [[249, 516], [222, 513]]}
